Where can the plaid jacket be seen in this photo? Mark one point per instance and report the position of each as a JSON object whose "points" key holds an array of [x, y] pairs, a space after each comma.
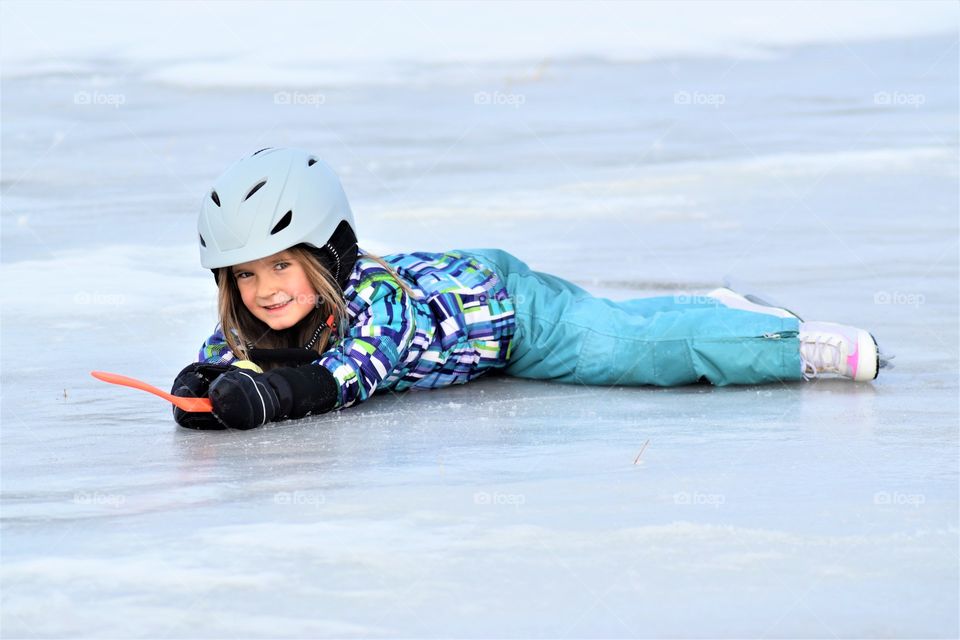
{"points": [[458, 326]]}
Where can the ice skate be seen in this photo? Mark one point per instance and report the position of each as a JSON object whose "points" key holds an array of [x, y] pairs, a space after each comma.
{"points": [[748, 302], [840, 350]]}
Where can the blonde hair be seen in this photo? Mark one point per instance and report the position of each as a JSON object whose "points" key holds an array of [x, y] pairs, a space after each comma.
{"points": [[236, 320]]}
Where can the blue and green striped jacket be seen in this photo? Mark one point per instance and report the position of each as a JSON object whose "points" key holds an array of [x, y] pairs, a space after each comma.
{"points": [[458, 326]]}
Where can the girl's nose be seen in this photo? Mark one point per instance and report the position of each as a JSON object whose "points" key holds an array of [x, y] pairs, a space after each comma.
{"points": [[266, 287]]}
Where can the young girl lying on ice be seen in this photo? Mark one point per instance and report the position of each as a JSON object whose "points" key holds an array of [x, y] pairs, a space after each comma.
{"points": [[310, 323]]}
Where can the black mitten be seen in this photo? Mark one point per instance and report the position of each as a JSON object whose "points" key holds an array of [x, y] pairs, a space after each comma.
{"points": [[243, 399], [303, 390], [194, 382]]}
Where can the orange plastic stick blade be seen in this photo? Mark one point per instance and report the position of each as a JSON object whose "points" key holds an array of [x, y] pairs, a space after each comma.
{"points": [[193, 405]]}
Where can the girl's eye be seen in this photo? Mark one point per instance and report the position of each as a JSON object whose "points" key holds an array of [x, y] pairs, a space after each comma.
{"points": [[243, 275]]}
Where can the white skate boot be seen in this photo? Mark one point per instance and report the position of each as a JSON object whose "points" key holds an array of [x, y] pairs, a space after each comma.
{"points": [[734, 300], [838, 349]]}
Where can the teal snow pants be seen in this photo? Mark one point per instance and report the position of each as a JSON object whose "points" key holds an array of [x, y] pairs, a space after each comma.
{"points": [[568, 335]]}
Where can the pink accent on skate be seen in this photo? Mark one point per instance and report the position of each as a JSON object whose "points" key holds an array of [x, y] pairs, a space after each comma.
{"points": [[852, 361]]}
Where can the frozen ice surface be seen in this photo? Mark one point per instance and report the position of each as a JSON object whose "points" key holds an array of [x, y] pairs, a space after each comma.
{"points": [[503, 507]]}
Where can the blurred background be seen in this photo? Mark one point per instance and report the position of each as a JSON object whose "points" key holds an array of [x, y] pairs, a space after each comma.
{"points": [[803, 150]]}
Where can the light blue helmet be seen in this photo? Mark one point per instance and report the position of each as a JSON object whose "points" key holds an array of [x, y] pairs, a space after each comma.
{"points": [[268, 202]]}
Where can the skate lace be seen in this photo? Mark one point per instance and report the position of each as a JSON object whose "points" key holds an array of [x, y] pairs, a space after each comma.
{"points": [[820, 354]]}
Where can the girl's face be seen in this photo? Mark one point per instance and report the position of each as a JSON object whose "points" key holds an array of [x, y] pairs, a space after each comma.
{"points": [[275, 290]]}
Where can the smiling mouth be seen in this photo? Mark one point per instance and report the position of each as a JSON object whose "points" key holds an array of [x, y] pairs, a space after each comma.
{"points": [[278, 306]]}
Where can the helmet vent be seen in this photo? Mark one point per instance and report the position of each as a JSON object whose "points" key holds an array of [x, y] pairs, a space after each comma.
{"points": [[256, 152], [203, 242], [215, 198], [283, 224], [311, 162], [255, 189]]}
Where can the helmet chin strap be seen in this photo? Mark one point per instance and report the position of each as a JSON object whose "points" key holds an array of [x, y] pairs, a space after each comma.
{"points": [[338, 254]]}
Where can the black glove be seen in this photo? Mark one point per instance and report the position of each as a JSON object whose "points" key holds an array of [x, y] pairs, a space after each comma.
{"points": [[244, 399], [194, 382]]}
